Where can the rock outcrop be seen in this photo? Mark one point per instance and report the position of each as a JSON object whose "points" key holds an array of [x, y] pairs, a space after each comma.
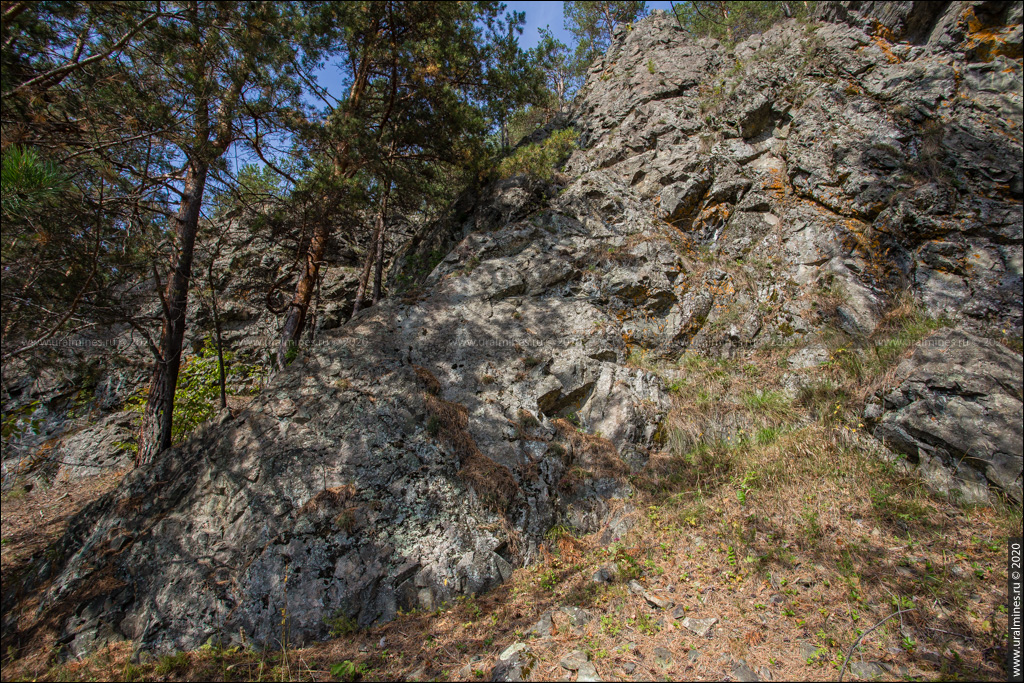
{"points": [[956, 413], [721, 200]]}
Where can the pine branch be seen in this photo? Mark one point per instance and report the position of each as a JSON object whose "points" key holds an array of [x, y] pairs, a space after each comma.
{"points": [[52, 77]]}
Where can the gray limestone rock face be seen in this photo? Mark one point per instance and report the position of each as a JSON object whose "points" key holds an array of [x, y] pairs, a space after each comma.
{"points": [[420, 453], [956, 414]]}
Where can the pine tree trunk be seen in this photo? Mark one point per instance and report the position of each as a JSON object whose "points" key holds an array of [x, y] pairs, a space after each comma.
{"points": [[157, 421], [364, 278], [299, 306], [220, 337], [379, 244]]}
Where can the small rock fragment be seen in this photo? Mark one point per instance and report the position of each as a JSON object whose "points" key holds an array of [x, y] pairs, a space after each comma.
{"points": [[808, 651], [542, 627], [742, 672], [663, 657], [701, 627], [866, 670], [655, 601], [511, 650], [587, 672], [574, 660], [579, 617]]}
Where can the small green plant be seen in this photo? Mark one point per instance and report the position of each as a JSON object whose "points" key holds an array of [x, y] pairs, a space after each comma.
{"points": [[645, 624], [341, 625], [901, 602], [291, 353], [650, 66], [348, 670], [627, 565], [549, 580], [471, 606], [811, 526], [610, 625]]}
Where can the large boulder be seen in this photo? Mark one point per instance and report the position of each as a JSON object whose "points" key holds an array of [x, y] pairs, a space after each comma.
{"points": [[956, 413]]}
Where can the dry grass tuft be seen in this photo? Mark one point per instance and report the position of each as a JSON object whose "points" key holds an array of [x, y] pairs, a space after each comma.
{"points": [[594, 454], [430, 382], [328, 500], [492, 481]]}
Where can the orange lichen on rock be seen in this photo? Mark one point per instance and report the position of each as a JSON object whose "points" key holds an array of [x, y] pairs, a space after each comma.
{"points": [[885, 46], [985, 43]]}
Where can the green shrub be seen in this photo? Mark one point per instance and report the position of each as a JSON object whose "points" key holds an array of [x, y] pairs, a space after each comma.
{"points": [[540, 159], [197, 393], [348, 670]]}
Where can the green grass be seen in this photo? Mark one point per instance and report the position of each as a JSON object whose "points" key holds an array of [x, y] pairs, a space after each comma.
{"points": [[170, 664], [767, 435], [772, 404], [645, 624]]}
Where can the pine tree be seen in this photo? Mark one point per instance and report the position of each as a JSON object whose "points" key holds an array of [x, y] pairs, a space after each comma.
{"points": [[222, 66], [592, 25], [733, 21], [425, 82]]}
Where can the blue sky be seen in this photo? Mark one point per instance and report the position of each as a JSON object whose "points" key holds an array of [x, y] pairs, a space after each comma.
{"points": [[538, 15], [541, 14]]}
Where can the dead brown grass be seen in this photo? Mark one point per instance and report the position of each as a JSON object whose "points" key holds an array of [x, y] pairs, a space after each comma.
{"points": [[595, 454], [492, 481], [430, 382]]}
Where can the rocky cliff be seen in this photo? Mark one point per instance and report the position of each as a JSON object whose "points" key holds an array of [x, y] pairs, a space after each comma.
{"points": [[782, 194]]}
